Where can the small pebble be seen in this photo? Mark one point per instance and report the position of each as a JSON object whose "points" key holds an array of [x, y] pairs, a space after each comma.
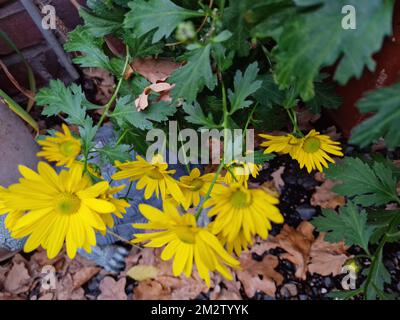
{"points": [[306, 211], [303, 297], [323, 291]]}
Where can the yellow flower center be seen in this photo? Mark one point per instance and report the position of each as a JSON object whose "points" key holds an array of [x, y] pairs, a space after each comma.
{"points": [[186, 234], [311, 145], [67, 204], [68, 148], [240, 198], [197, 184], [155, 174]]}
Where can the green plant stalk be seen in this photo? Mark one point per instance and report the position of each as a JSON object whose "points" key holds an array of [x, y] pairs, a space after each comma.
{"points": [[116, 91], [376, 257], [207, 196], [107, 107], [183, 150], [16, 108]]}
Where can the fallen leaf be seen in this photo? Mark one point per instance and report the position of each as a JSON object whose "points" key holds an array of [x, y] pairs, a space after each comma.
{"points": [[165, 285], [151, 290], [332, 133], [308, 253], [225, 290], [327, 258], [84, 275], [65, 289], [297, 244], [163, 88], [259, 275], [18, 279], [101, 82], [112, 290], [326, 198], [47, 296], [154, 70], [277, 178], [142, 272]]}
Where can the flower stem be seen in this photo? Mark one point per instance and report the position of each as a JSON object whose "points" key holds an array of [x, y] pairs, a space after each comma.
{"points": [[116, 91], [207, 196]]}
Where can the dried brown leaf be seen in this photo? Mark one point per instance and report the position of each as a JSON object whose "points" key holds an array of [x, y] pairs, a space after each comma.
{"points": [[112, 290], [154, 70], [84, 275], [327, 258], [326, 198], [252, 270], [18, 279]]}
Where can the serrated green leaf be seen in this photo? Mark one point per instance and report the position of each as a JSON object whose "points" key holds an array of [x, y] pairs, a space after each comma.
{"points": [[196, 116], [385, 103], [244, 86], [325, 98], [190, 79], [379, 276], [140, 47], [269, 94], [111, 153], [125, 112], [349, 225], [367, 185], [260, 157], [87, 132], [162, 15], [93, 56], [316, 38], [107, 22], [344, 295], [58, 99]]}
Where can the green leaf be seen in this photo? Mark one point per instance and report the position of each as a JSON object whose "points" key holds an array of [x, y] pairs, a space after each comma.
{"points": [[194, 75], [385, 103], [344, 295], [325, 97], [244, 86], [349, 225], [93, 56], [196, 115], [103, 22], [141, 47], [379, 276], [87, 132], [58, 99], [260, 157], [162, 15], [269, 94], [125, 112], [315, 38], [111, 153], [368, 185]]}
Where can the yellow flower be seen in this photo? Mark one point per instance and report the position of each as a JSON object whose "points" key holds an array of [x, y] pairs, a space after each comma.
{"points": [[196, 185], [62, 149], [184, 242], [154, 177], [241, 213], [241, 171], [12, 215], [313, 151], [283, 144], [120, 204], [57, 208]]}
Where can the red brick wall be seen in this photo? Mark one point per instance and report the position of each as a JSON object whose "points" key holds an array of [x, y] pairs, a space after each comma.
{"points": [[17, 24]]}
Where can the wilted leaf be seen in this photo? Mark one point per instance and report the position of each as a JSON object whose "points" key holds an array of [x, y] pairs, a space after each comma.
{"points": [[18, 279], [142, 272], [154, 70], [112, 290], [325, 197], [250, 273]]}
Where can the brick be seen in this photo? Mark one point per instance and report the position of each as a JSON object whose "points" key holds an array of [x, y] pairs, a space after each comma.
{"points": [[22, 31]]}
